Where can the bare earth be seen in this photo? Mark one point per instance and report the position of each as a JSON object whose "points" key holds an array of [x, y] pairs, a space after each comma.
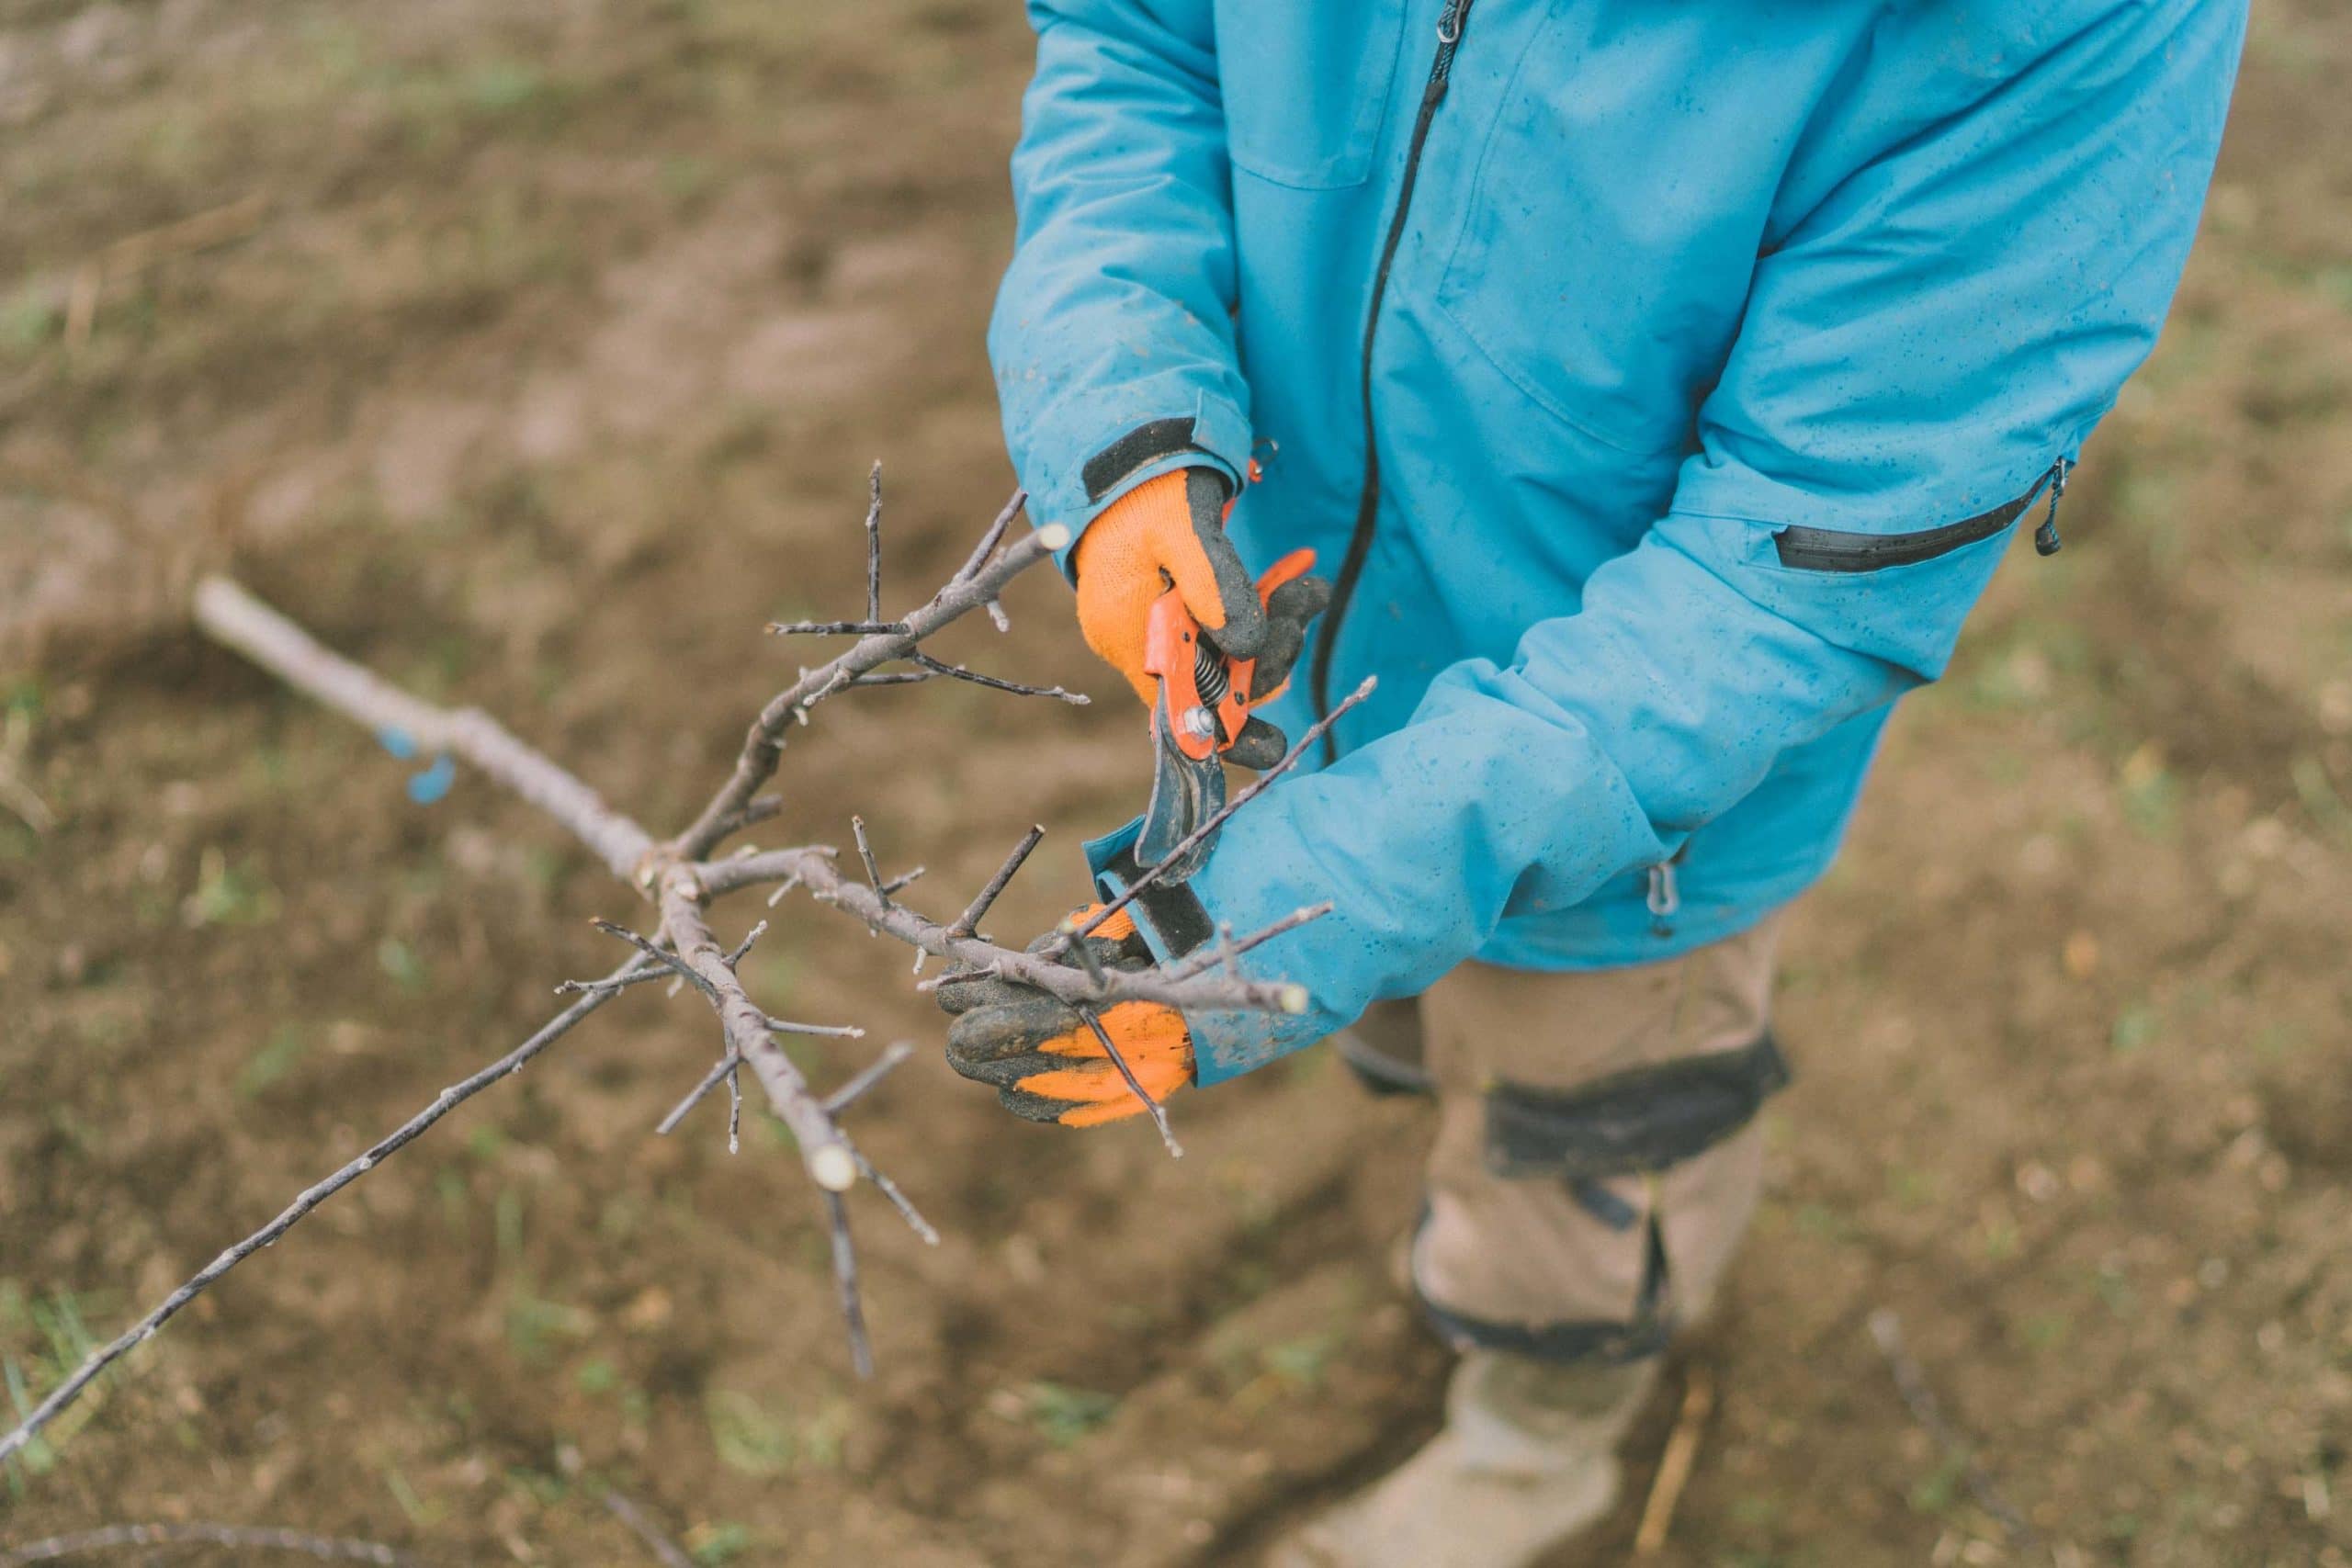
{"points": [[541, 367]]}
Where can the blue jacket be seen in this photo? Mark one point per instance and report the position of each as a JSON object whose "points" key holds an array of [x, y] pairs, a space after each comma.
{"points": [[1717, 350]]}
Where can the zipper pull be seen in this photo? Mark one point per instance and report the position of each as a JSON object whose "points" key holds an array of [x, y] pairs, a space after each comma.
{"points": [[2046, 541], [1665, 898]]}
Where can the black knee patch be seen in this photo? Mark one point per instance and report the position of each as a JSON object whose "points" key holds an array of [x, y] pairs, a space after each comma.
{"points": [[1630, 1123], [1573, 1341]]}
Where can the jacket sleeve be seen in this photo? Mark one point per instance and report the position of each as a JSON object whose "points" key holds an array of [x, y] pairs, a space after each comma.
{"points": [[1951, 317], [1113, 337]]}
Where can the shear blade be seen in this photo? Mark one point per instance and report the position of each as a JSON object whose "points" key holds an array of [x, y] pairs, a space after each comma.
{"points": [[1185, 793]]}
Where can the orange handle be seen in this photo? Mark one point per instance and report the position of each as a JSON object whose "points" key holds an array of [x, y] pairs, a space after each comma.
{"points": [[1170, 646]]}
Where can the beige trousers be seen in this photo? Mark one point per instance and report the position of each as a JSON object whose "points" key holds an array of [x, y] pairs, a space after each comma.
{"points": [[1597, 1154]]}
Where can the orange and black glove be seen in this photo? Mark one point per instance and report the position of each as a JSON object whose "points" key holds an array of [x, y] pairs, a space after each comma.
{"points": [[1170, 531], [1044, 1062]]}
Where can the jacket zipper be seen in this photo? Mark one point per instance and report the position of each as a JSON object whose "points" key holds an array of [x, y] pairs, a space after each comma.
{"points": [[1833, 549], [1449, 38]]}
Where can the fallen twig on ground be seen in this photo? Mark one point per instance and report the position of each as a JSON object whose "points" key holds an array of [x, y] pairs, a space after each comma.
{"points": [[665, 1552], [1674, 1465], [240, 1537], [682, 881], [1911, 1382]]}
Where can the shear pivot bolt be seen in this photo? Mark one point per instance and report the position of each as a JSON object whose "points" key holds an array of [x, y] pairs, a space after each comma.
{"points": [[1199, 722]]}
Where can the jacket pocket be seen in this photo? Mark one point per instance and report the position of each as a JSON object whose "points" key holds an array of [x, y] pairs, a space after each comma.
{"points": [[1835, 549], [1605, 246], [1307, 87]]}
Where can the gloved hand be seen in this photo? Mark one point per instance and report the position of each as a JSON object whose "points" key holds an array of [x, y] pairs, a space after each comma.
{"points": [[1042, 1061], [1171, 529]]}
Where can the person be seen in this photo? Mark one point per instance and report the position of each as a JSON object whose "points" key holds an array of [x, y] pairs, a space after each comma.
{"points": [[1659, 387]]}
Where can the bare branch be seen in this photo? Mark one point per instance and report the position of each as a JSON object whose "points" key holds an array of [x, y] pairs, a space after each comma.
{"points": [[238, 1538], [860, 1350], [745, 1026], [744, 946], [991, 537], [941, 667], [1227, 950], [874, 543], [829, 1030], [721, 1070], [1202, 993], [235, 617], [1152, 1108], [865, 853], [311, 1198], [874, 1072], [975, 912], [655, 952], [765, 743], [834, 628]]}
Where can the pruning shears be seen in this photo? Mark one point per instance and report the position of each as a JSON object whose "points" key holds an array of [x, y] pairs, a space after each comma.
{"points": [[1205, 699]]}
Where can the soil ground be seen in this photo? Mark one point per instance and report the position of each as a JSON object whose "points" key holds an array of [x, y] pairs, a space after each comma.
{"points": [[541, 369]]}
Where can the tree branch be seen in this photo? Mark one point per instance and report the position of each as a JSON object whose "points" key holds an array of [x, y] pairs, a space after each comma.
{"points": [[980, 582], [311, 1198], [234, 616]]}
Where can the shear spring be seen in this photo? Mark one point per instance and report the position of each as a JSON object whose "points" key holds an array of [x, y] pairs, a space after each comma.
{"points": [[1208, 675]]}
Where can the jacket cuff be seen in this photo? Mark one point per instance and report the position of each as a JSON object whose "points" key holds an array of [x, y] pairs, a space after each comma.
{"points": [[1173, 921], [1211, 433]]}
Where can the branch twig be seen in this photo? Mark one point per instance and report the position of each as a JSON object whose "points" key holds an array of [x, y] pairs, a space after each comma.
{"points": [[456, 1094], [980, 582]]}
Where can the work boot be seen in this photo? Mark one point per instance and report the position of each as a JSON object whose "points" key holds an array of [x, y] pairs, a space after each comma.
{"points": [[1527, 1460]]}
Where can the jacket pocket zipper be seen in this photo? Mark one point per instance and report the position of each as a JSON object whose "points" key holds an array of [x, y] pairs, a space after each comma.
{"points": [[1835, 549]]}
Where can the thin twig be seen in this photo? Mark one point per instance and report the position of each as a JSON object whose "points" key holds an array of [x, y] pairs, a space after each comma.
{"points": [[889, 1189], [860, 1350], [653, 972], [764, 742], [1911, 1382], [990, 537], [735, 958], [238, 1538], [1157, 1113], [834, 628], [873, 1073], [874, 542], [825, 882], [721, 1069], [995, 683], [968, 923], [865, 853], [828, 1031], [1674, 1465], [1201, 834], [1227, 950], [665, 1552], [660, 956], [311, 1198]]}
